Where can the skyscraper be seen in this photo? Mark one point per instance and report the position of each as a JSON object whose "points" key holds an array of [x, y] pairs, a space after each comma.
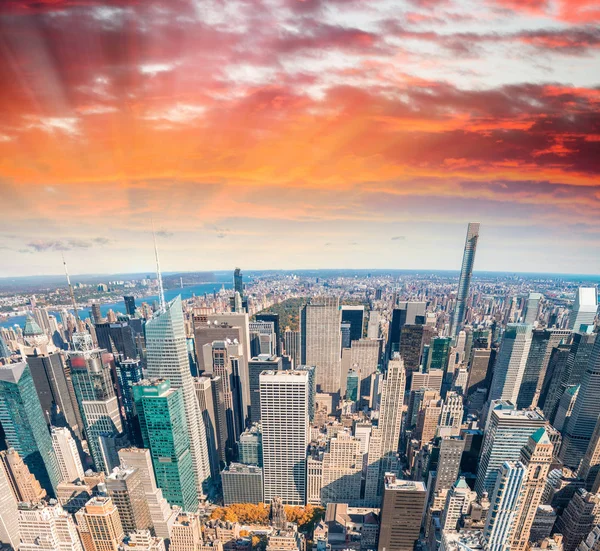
{"points": [[100, 525], [354, 315], [584, 309], [24, 424], [67, 455], [285, 430], [91, 370], [577, 520], [48, 373], [342, 468], [9, 525], [364, 359], [274, 319], [24, 485], [401, 514], [129, 305], [167, 358], [536, 456], [510, 363], [499, 524], [126, 488], [256, 366], [451, 450], [507, 431], [581, 424], [209, 395], [405, 313], [161, 411], [321, 341], [238, 283], [242, 484], [464, 282]]}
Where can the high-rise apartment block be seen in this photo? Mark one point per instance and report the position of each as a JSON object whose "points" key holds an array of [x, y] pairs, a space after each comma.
{"points": [[126, 488], [100, 525], [67, 455]]}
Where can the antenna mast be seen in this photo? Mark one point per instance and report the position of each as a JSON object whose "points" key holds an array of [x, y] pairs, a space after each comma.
{"points": [[77, 320], [161, 291]]}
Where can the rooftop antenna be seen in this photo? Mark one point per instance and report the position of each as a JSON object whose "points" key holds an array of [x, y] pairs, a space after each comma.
{"points": [[78, 323], [161, 291]]}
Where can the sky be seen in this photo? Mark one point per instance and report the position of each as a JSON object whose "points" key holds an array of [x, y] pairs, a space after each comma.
{"points": [[299, 134]]}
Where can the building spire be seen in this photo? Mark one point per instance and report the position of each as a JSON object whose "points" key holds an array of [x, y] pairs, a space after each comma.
{"points": [[78, 323], [161, 291]]}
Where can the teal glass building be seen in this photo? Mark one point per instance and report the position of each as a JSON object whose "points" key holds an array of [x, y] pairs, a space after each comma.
{"points": [[161, 415], [25, 426]]}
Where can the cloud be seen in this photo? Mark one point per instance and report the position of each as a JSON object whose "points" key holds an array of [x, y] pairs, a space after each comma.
{"points": [[52, 125], [42, 245], [165, 233], [398, 238]]}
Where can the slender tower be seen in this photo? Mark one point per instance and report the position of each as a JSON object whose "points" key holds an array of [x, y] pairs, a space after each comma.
{"points": [[78, 322], [466, 272]]}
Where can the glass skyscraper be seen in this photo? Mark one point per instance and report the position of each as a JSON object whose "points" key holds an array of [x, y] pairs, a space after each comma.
{"points": [[161, 414], [464, 282], [25, 426]]}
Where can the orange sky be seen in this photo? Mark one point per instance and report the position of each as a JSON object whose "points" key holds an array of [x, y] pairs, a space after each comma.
{"points": [[291, 134]]}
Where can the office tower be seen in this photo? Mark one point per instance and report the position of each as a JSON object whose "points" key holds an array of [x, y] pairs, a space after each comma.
{"points": [[592, 541], [451, 416], [321, 341], [532, 308], [91, 372], [167, 358], [578, 519], [225, 364], [4, 350], [161, 515], [129, 305], [428, 418], [590, 464], [582, 421], [292, 344], [186, 533], [212, 408], [100, 525], [345, 330], [142, 540], [250, 446], [96, 314], [126, 488], [373, 329], [543, 523], [285, 430], [67, 455], [364, 359], [584, 309], [458, 503], [384, 440], [47, 527], [162, 415], [499, 524], [9, 526], [24, 424], [48, 373], [451, 450], [23, 484], [238, 284], [412, 340], [118, 337], [439, 350], [273, 318], [507, 431], [314, 479], [542, 343], [129, 372], [256, 366], [232, 326], [510, 363], [401, 514], [342, 469], [263, 337], [312, 388], [352, 384], [354, 315], [566, 368], [406, 313], [242, 484], [74, 495], [466, 271], [536, 456], [565, 407]]}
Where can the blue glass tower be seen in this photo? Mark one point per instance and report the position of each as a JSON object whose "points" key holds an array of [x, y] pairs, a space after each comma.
{"points": [[25, 426]]}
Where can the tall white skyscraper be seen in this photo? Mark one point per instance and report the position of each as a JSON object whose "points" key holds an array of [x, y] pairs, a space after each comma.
{"points": [[585, 308], [510, 363], [499, 524], [167, 358], [67, 455], [47, 527], [383, 445], [532, 307], [321, 339], [285, 434]]}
